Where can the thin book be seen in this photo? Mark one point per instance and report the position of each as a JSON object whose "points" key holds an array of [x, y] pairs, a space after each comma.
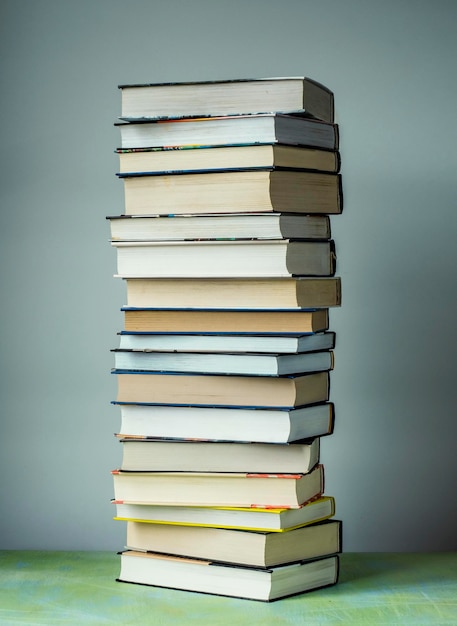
{"points": [[245, 156], [225, 321], [220, 227], [247, 343], [223, 363], [249, 518]]}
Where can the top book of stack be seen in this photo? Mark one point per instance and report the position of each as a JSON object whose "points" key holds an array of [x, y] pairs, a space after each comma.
{"points": [[295, 94]]}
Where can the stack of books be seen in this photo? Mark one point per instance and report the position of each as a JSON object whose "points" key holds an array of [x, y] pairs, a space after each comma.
{"points": [[223, 363]]}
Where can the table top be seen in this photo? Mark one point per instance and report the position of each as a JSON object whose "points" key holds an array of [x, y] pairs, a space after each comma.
{"points": [[79, 588]]}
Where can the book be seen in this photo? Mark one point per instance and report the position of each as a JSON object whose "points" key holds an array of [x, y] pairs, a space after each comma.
{"points": [[217, 390], [269, 344], [198, 259], [254, 155], [265, 585], [236, 293], [230, 424], [225, 97], [222, 226], [229, 130], [218, 489], [272, 520], [240, 547], [243, 191], [224, 321], [223, 363], [164, 455]]}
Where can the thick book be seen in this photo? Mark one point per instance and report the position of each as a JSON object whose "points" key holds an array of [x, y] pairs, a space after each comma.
{"points": [[213, 259], [148, 568], [220, 390], [243, 191], [224, 293], [254, 518], [258, 344], [189, 158], [223, 363], [222, 226], [225, 321], [226, 131], [227, 97], [240, 547], [218, 456], [218, 489], [229, 424]]}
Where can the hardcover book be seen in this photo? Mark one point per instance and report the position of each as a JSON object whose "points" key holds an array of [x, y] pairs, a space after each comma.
{"points": [[170, 421], [223, 226], [220, 390], [225, 321], [246, 191], [240, 547], [244, 344], [227, 131], [227, 97], [219, 489], [189, 259], [149, 568], [234, 293], [164, 455], [254, 155], [209, 363]]}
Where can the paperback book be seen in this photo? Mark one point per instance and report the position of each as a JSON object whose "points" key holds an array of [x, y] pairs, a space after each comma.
{"points": [[250, 518]]}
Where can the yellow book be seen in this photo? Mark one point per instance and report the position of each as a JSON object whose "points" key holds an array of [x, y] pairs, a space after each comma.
{"points": [[256, 519]]}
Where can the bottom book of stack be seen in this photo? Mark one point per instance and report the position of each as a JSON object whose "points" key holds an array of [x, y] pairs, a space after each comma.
{"points": [[251, 583]]}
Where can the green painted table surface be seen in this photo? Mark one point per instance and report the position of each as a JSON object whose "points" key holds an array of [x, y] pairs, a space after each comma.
{"points": [[62, 588]]}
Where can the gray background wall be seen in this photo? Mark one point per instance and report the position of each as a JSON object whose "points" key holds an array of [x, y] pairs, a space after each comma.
{"points": [[391, 463]]}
